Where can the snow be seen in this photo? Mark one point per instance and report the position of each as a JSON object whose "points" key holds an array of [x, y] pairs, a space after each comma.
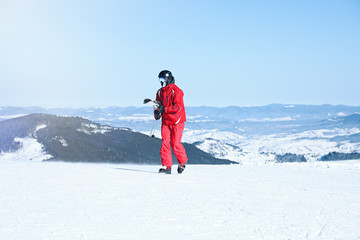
{"points": [[40, 127], [50, 200], [137, 117], [313, 144], [93, 129], [195, 119], [30, 149], [220, 150], [11, 116], [63, 142], [281, 119], [191, 136]]}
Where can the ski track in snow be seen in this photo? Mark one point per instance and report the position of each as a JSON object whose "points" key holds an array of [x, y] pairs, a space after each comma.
{"points": [[54, 200]]}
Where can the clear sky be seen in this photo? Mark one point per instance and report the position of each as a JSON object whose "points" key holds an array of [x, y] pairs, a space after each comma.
{"points": [[103, 53]]}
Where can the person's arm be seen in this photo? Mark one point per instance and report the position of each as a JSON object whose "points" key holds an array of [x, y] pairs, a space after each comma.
{"points": [[159, 109], [178, 102]]}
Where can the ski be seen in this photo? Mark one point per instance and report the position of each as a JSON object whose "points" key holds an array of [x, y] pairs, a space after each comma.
{"points": [[151, 102]]}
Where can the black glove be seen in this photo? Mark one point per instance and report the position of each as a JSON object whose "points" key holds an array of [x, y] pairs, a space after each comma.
{"points": [[161, 109], [159, 112]]}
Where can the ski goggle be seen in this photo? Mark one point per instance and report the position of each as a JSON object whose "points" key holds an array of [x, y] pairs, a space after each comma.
{"points": [[162, 81]]}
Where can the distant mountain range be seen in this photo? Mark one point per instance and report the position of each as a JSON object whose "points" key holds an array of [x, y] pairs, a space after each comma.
{"points": [[243, 120], [276, 132], [48, 137]]}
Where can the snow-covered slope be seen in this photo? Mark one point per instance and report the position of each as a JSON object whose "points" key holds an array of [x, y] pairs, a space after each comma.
{"points": [[49, 137], [250, 149], [47, 200], [31, 150]]}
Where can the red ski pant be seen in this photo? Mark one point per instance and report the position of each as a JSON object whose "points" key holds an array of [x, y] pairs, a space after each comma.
{"points": [[173, 134]]}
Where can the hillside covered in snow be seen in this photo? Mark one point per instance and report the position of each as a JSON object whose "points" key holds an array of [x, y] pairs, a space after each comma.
{"points": [[272, 133], [40, 137]]}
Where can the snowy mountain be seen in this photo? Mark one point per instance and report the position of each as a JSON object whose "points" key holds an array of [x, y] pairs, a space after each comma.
{"points": [[274, 118], [42, 137], [273, 133], [311, 141]]}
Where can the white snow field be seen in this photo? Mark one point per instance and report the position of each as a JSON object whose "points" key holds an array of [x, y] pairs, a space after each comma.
{"points": [[54, 200]]}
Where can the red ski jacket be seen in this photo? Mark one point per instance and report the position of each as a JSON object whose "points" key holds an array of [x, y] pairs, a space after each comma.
{"points": [[171, 98]]}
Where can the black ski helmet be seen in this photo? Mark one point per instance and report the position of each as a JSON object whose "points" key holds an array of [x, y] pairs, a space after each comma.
{"points": [[167, 75]]}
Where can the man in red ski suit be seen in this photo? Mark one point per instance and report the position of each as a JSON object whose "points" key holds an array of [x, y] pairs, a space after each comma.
{"points": [[172, 111]]}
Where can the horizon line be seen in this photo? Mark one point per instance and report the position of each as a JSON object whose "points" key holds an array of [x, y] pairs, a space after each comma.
{"points": [[289, 105]]}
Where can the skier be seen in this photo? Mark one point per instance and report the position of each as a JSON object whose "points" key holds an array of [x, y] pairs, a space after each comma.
{"points": [[172, 111]]}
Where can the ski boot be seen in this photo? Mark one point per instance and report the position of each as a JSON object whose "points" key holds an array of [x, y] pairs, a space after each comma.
{"points": [[166, 170], [181, 168]]}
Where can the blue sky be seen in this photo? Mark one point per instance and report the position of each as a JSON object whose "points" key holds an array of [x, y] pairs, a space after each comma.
{"points": [[222, 53]]}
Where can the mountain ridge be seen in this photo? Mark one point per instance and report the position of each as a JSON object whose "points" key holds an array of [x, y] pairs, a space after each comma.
{"points": [[272, 133], [76, 139]]}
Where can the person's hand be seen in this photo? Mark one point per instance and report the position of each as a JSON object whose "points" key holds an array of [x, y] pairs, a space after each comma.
{"points": [[157, 115], [157, 105], [161, 109]]}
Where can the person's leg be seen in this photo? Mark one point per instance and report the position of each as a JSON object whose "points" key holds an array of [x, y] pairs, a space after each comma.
{"points": [[165, 151], [179, 150]]}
